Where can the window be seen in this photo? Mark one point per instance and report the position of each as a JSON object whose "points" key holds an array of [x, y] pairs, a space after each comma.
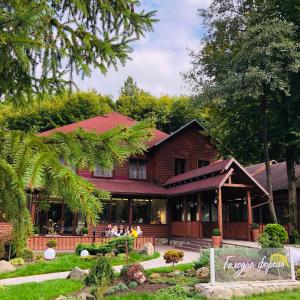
{"points": [[119, 210], [203, 163], [192, 208], [180, 166], [177, 210], [101, 172], [149, 211], [137, 169], [64, 163]]}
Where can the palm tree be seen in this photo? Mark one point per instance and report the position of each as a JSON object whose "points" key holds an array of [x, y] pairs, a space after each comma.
{"points": [[29, 162]]}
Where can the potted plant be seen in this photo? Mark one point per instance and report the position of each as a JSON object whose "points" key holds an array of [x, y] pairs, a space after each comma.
{"points": [[255, 232], [35, 231], [216, 238], [84, 231]]}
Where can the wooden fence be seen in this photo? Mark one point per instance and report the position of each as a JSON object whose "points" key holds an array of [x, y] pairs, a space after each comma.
{"points": [[69, 243]]}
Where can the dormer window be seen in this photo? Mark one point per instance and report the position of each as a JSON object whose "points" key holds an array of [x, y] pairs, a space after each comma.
{"points": [[138, 169], [102, 172]]}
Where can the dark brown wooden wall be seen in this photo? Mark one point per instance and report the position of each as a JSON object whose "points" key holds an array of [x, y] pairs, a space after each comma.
{"points": [[189, 144]]}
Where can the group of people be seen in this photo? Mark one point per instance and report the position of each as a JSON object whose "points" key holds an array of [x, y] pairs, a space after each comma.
{"points": [[114, 231]]}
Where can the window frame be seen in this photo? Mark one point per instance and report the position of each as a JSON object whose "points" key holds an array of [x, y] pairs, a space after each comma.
{"points": [[138, 161], [99, 176], [180, 159]]}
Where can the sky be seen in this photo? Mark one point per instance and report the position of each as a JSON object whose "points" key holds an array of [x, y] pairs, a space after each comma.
{"points": [[161, 56]]}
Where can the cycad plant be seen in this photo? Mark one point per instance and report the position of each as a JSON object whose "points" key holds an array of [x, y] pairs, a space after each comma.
{"points": [[29, 162]]}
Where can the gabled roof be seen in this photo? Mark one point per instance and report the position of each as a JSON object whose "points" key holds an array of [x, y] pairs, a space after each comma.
{"points": [[210, 175], [279, 176], [101, 124], [179, 130]]}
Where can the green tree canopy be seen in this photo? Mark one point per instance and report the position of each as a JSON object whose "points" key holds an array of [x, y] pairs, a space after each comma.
{"points": [[43, 43]]}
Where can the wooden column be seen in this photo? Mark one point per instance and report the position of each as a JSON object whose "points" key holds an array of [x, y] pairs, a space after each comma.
{"points": [[220, 216], [249, 213], [200, 214], [130, 211], [184, 216], [169, 219]]}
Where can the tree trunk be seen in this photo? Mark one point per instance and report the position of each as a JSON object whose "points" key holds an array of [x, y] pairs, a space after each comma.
{"points": [[292, 190], [267, 159]]}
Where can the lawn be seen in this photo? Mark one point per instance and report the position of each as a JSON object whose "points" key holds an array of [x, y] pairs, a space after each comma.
{"points": [[288, 295], [66, 262], [167, 269], [41, 291]]}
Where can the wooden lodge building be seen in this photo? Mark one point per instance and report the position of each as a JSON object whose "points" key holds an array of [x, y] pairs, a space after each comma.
{"points": [[179, 188]]}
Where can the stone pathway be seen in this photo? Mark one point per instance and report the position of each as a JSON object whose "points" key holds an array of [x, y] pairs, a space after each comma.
{"points": [[149, 264]]}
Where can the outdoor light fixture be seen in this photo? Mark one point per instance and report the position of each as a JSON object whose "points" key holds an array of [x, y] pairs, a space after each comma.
{"points": [[216, 197]]}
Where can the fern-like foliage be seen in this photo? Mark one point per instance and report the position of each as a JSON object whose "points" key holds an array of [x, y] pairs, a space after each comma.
{"points": [[29, 162]]}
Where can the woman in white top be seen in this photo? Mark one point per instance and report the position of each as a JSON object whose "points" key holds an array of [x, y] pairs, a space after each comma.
{"points": [[139, 231], [114, 231]]}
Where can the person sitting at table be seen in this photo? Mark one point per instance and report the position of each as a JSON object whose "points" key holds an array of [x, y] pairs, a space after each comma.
{"points": [[134, 232], [121, 230], [139, 231], [114, 231], [108, 230], [127, 231]]}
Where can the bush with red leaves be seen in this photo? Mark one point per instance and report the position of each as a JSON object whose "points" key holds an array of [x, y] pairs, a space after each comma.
{"points": [[134, 272]]}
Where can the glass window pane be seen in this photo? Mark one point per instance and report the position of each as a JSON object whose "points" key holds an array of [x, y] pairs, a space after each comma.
{"points": [[192, 208], [133, 169], [180, 166], [104, 216], [142, 170], [141, 211], [158, 211], [119, 210], [101, 172], [177, 213]]}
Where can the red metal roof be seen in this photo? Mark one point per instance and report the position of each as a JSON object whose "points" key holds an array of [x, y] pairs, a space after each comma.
{"points": [[279, 176], [214, 167], [128, 187], [196, 186], [104, 123]]}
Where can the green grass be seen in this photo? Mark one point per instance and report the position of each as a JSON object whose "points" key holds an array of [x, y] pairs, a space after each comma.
{"points": [[40, 291], [167, 269], [66, 262], [288, 295]]}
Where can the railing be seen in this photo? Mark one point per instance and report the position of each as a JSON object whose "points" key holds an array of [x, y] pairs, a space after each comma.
{"points": [[69, 243]]}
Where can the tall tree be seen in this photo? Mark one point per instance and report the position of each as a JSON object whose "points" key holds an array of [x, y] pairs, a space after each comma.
{"points": [[248, 60], [43, 43]]}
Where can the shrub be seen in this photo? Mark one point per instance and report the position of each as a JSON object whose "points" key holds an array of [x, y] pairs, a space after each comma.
{"points": [[18, 261], [134, 272], [254, 226], [203, 260], [84, 230], [173, 256], [216, 232], [51, 243], [28, 255], [119, 244], [35, 230], [132, 285], [279, 258], [274, 236], [101, 273], [176, 291], [94, 249], [294, 236]]}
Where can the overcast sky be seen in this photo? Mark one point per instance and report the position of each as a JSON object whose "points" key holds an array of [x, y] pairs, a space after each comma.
{"points": [[160, 57]]}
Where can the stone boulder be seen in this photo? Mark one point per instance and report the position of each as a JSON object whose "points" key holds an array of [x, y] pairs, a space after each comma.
{"points": [[6, 266], [148, 248], [139, 277], [77, 273], [202, 273]]}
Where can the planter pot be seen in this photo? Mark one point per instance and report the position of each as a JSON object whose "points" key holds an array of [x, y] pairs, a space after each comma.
{"points": [[216, 241], [255, 234], [85, 235]]}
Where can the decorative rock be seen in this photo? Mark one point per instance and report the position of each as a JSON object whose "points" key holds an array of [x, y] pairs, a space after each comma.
{"points": [[84, 253], [61, 297], [6, 266], [140, 278], [49, 254], [155, 276], [148, 248], [190, 272], [202, 273], [77, 273], [176, 273]]}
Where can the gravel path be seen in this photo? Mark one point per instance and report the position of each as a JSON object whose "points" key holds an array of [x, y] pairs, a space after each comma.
{"points": [[154, 263]]}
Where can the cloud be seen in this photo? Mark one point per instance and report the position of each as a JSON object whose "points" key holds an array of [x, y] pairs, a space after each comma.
{"points": [[159, 58]]}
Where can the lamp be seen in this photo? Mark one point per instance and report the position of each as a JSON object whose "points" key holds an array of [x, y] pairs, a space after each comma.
{"points": [[216, 199]]}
